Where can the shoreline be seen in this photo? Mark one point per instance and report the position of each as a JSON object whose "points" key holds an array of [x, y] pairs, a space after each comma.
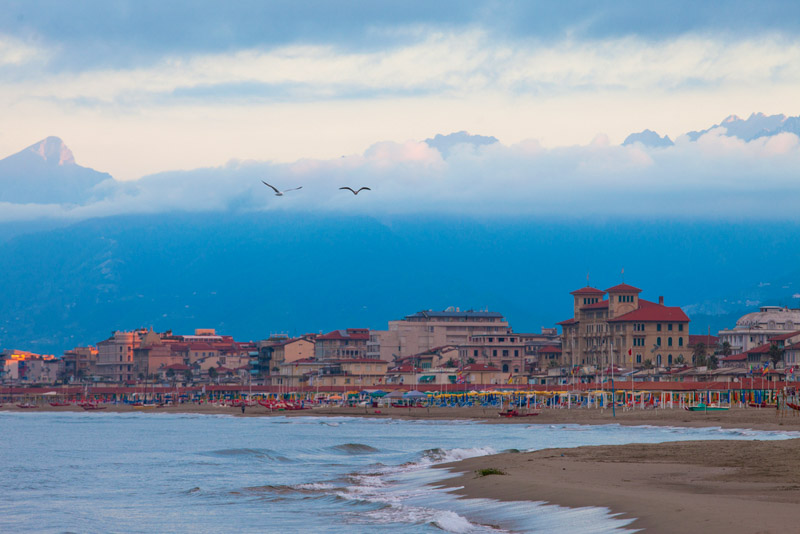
{"points": [[727, 486], [730, 486], [743, 418]]}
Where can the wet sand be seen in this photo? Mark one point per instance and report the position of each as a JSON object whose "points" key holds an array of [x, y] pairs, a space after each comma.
{"points": [[695, 486]]}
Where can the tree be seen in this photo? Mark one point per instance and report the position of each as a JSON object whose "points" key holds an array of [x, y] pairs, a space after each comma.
{"points": [[775, 354], [141, 377], [699, 355], [725, 348], [470, 361], [713, 362], [187, 375], [451, 363], [212, 373], [171, 375], [647, 364], [680, 360]]}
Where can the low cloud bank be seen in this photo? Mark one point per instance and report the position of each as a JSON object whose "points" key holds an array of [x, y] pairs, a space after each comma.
{"points": [[714, 177]]}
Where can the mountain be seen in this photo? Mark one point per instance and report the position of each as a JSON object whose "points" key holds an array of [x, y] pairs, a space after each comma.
{"points": [[46, 173], [648, 138], [251, 275], [755, 126], [445, 144]]}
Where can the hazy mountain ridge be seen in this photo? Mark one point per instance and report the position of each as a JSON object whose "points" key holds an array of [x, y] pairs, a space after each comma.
{"points": [[757, 125], [46, 173], [241, 273]]}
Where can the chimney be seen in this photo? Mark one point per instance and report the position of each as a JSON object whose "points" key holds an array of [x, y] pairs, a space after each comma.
{"points": [[661, 300]]}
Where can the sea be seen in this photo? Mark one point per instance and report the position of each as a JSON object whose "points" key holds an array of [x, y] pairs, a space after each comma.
{"points": [[149, 472]]}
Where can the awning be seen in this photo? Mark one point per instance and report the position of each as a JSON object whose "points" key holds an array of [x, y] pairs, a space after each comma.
{"points": [[427, 379]]}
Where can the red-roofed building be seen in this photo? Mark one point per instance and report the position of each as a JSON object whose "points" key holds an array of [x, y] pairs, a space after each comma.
{"points": [[342, 344], [623, 329]]}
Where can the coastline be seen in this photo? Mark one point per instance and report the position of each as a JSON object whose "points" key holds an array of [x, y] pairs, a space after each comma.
{"points": [[745, 418], [730, 486]]}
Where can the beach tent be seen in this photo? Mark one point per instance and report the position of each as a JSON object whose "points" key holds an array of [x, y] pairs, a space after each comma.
{"points": [[414, 395], [377, 393], [396, 394]]}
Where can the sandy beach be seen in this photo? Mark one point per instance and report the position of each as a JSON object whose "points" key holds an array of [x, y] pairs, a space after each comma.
{"points": [[696, 486]]}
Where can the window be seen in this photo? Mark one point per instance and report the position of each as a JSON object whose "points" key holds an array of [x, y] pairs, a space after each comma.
{"points": [[475, 352], [638, 358], [658, 327], [516, 352], [658, 341], [669, 327], [680, 341], [669, 342], [494, 352], [669, 359], [680, 327], [505, 353]]}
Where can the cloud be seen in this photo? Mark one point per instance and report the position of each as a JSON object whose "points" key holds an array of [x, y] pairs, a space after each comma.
{"points": [[442, 63], [717, 177]]}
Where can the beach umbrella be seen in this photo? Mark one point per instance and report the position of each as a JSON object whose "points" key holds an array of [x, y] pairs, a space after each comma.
{"points": [[414, 395], [378, 393]]}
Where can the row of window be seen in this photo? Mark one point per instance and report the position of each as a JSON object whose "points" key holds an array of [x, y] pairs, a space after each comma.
{"points": [[669, 327], [669, 341]]}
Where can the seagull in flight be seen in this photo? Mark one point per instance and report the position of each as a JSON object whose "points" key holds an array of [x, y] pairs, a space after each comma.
{"points": [[280, 193], [356, 192]]}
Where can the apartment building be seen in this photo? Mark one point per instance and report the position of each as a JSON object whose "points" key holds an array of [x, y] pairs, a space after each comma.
{"points": [[425, 330], [616, 326]]}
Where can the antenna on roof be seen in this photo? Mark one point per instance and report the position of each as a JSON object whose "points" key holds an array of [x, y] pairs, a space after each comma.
{"points": [[623, 275], [587, 279]]}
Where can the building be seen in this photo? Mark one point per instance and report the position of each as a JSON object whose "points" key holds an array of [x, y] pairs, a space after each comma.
{"points": [[425, 330], [115, 355], [342, 344], [623, 330], [80, 362], [505, 350], [280, 349], [756, 328]]}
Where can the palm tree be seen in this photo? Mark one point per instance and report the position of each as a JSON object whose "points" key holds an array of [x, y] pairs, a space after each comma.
{"points": [[680, 360], [775, 354], [713, 362], [725, 348], [647, 364], [171, 375], [212, 374], [699, 354]]}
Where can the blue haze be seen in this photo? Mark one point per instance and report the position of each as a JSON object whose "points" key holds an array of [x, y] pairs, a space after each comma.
{"points": [[254, 275]]}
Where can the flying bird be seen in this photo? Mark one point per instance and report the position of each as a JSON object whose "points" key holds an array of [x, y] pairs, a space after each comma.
{"points": [[356, 192], [280, 193]]}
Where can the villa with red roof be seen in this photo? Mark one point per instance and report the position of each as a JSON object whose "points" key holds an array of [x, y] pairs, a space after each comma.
{"points": [[616, 326]]}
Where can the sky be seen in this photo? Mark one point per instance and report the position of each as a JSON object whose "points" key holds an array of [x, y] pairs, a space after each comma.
{"points": [[210, 97]]}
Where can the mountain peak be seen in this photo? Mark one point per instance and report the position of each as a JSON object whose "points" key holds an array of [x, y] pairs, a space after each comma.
{"points": [[53, 151]]}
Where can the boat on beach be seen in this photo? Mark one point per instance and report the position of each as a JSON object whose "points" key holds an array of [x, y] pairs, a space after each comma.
{"points": [[515, 413], [708, 408], [91, 406]]}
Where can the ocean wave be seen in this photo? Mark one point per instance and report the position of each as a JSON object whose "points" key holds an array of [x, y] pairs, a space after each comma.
{"points": [[355, 448], [261, 454]]}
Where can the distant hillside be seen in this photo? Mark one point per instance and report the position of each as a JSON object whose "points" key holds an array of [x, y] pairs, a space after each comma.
{"points": [[253, 275], [46, 173]]}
